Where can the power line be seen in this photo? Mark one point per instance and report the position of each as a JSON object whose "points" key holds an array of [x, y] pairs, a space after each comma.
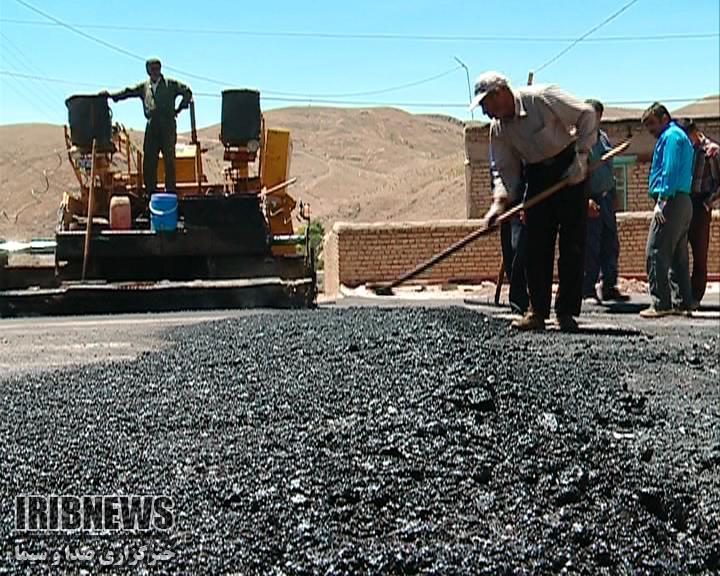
{"points": [[272, 95], [221, 82], [370, 35], [298, 100], [311, 101], [108, 45], [460, 105], [26, 93], [382, 90], [300, 96], [35, 104], [47, 79], [588, 33], [48, 94]]}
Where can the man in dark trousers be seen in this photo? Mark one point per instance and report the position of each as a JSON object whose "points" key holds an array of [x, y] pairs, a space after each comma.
{"points": [[549, 134], [669, 186], [158, 95], [705, 192], [603, 247], [513, 238]]}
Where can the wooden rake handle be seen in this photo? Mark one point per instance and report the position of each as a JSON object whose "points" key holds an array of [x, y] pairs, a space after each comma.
{"points": [[91, 211], [487, 227]]}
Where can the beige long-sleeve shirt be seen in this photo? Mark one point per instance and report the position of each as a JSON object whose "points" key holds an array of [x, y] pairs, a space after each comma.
{"points": [[547, 120]]}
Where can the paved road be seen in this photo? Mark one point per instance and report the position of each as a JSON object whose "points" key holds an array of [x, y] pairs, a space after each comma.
{"points": [[35, 344], [29, 344]]}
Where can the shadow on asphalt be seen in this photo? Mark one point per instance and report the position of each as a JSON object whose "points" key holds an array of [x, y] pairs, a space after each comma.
{"points": [[636, 308], [623, 307], [609, 331], [590, 329]]}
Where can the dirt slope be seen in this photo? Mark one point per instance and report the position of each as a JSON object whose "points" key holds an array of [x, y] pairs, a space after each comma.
{"points": [[353, 164]]}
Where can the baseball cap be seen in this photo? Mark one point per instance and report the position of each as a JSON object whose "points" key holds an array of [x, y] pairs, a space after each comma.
{"points": [[486, 83]]}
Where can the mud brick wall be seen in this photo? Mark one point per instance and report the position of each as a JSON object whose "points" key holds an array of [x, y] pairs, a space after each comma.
{"points": [[358, 253]]}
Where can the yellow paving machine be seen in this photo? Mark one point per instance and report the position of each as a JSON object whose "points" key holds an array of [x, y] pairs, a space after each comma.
{"points": [[224, 244]]}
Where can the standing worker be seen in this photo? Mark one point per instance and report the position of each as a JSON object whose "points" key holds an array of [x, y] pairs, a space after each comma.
{"points": [[158, 95], [513, 239], [667, 244], [603, 246], [550, 134], [705, 192]]}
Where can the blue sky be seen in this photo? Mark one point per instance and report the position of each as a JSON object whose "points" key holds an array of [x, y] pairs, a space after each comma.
{"points": [[611, 71]]}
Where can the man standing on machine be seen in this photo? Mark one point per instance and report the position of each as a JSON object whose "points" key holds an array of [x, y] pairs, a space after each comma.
{"points": [[549, 133], [158, 95]]}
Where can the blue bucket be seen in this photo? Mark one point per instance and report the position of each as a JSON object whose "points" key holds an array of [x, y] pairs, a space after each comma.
{"points": [[163, 212]]}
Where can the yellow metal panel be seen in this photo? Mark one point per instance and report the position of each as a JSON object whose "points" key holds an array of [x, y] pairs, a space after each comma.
{"points": [[276, 170], [276, 161], [184, 165]]}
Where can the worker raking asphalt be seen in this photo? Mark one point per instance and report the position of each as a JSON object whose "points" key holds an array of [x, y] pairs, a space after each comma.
{"points": [[386, 441]]}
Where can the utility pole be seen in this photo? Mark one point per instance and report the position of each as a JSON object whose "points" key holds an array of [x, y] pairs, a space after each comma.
{"points": [[467, 75]]}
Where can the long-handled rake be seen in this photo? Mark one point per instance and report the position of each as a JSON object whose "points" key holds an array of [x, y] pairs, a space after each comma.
{"points": [[386, 289]]}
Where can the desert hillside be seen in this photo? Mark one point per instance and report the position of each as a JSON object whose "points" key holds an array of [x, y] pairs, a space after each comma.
{"points": [[352, 164]]}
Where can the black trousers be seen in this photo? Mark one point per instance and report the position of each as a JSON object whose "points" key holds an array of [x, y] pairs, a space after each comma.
{"points": [[699, 238], [160, 136], [564, 213]]}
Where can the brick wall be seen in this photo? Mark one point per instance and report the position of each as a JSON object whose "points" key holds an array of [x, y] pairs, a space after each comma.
{"points": [[359, 253], [637, 188]]}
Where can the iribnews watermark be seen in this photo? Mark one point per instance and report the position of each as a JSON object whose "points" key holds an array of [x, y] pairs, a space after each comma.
{"points": [[93, 513]]}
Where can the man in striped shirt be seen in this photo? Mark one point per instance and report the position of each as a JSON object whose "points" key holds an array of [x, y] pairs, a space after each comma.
{"points": [[705, 192]]}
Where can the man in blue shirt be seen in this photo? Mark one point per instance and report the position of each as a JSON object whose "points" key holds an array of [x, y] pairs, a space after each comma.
{"points": [[603, 248], [667, 245]]}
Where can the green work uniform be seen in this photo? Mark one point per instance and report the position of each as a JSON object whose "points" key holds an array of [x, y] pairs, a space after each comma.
{"points": [[161, 130]]}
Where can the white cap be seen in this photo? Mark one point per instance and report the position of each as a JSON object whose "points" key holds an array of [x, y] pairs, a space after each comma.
{"points": [[486, 83]]}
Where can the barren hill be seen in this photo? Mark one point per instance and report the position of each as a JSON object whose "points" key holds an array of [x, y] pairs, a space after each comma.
{"points": [[352, 164]]}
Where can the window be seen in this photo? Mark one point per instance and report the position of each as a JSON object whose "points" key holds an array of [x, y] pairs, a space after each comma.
{"points": [[622, 165]]}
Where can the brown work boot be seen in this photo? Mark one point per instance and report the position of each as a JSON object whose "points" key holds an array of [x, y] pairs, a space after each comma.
{"points": [[531, 322], [653, 312], [567, 323]]}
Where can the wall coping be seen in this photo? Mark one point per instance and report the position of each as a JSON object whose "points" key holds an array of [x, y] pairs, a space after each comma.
{"points": [[408, 225], [471, 224], [648, 214], [639, 215]]}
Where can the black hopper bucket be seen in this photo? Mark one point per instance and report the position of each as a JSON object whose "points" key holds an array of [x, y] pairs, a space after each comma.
{"points": [[241, 117], [89, 117]]}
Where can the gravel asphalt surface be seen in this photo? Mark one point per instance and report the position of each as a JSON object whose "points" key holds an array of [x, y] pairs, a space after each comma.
{"points": [[364, 440]]}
